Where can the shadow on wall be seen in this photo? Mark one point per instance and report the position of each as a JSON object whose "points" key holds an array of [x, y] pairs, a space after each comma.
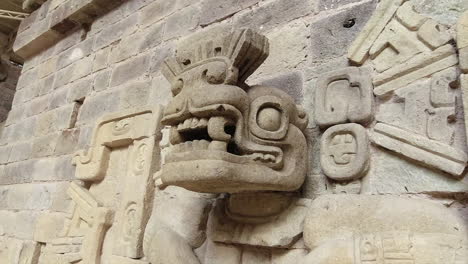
{"points": [[9, 74]]}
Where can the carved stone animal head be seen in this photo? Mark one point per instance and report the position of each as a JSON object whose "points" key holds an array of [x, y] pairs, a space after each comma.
{"points": [[225, 135]]}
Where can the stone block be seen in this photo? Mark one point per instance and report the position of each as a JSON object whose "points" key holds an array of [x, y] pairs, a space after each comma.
{"points": [[130, 70], [44, 146], [37, 106], [4, 153], [16, 114], [114, 32], [389, 174], [102, 80], [46, 123], [325, 5], [95, 107], [27, 78], [135, 94], [159, 55], [444, 11], [24, 224], [156, 11], [215, 10], [182, 22], [290, 82], [66, 116], [78, 90], [30, 196], [260, 17], [64, 169], [64, 76], [125, 48], [331, 35], [20, 152], [67, 142], [49, 226], [44, 170], [289, 49], [75, 53], [58, 98], [18, 172], [152, 36], [101, 59], [46, 85], [82, 68], [161, 90], [61, 201], [47, 67]]}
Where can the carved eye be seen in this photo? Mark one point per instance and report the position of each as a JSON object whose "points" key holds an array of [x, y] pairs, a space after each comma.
{"points": [[269, 118]]}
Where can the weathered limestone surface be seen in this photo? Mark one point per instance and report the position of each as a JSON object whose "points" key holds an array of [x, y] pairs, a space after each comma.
{"points": [[293, 152]]}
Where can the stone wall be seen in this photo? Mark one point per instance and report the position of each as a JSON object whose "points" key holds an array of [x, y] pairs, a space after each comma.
{"points": [[84, 64]]}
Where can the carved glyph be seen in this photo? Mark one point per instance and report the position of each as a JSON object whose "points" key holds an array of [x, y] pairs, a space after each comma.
{"points": [[344, 152], [344, 96]]}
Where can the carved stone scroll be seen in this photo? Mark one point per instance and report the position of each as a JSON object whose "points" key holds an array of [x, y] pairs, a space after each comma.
{"points": [[382, 15], [344, 153], [344, 96], [118, 130], [428, 152]]}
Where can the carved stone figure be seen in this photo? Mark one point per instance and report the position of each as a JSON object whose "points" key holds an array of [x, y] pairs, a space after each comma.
{"points": [[229, 188]]}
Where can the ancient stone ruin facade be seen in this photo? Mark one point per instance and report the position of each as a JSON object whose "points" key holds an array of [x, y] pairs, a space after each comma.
{"points": [[217, 131]]}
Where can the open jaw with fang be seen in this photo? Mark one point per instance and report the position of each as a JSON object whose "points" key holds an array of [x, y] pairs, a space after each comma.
{"points": [[217, 138]]}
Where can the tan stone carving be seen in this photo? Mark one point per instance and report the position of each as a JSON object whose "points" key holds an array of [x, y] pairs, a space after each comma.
{"points": [[13, 251], [403, 48], [238, 138], [344, 152], [96, 215], [444, 102], [429, 152], [420, 66], [464, 85], [397, 231], [281, 229], [344, 96], [359, 49], [462, 41]]}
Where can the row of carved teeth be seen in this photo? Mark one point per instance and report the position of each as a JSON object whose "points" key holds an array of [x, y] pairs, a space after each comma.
{"points": [[266, 158], [193, 123], [190, 146]]}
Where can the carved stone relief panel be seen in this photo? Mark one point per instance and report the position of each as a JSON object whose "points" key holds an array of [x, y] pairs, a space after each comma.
{"points": [[344, 96], [408, 48], [235, 159], [397, 231], [344, 152], [95, 220]]}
